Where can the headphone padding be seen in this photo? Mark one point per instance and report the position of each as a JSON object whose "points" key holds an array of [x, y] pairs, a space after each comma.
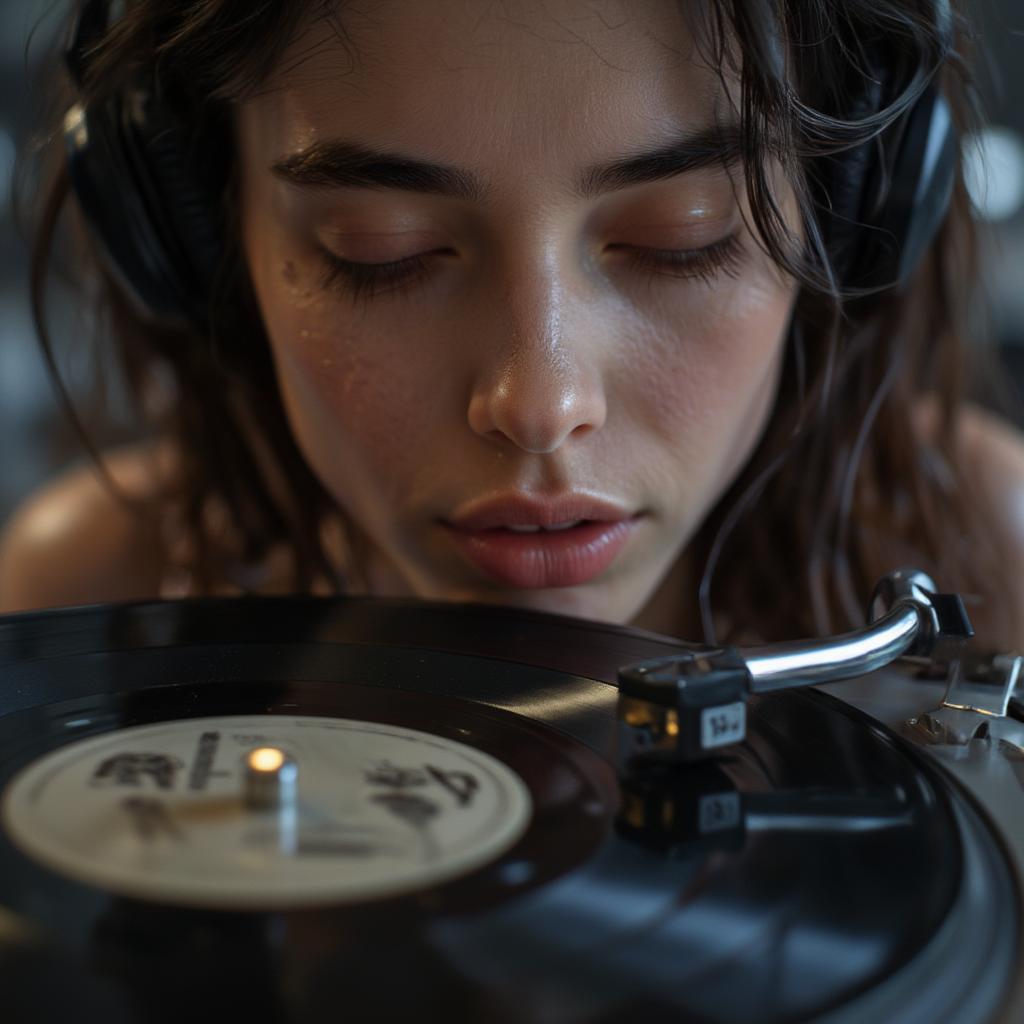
{"points": [[154, 221], [182, 205]]}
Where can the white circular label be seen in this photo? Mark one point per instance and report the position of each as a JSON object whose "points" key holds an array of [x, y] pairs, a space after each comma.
{"points": [[170, 812]]}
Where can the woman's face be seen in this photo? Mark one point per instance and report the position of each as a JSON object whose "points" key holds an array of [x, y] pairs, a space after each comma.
{"points": [[568, 323]]}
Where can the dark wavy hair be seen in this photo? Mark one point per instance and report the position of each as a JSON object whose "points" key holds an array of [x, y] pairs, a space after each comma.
{"points": [[842, 485]]}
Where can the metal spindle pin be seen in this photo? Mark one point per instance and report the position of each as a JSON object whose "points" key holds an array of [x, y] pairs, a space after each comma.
{"points": [[271, 779]]}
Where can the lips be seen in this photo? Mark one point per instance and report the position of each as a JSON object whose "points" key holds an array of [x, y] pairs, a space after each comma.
{"points": [[529, 543]]}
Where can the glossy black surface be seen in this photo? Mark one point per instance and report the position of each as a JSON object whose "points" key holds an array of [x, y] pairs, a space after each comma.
{"points": [[836, 856]]}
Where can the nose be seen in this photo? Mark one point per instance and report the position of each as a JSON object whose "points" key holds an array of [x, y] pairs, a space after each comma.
{"points": [[539, 381]]}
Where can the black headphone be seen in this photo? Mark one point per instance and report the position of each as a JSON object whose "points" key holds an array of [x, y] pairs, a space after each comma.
{"points": [[139, 186], [155, 217], [881, 203]]}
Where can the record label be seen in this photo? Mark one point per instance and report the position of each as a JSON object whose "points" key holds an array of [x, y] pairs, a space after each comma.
{"points": [[265, 810]]}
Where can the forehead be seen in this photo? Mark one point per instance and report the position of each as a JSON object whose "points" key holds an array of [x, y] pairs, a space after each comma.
{"points": [[485, 82]]}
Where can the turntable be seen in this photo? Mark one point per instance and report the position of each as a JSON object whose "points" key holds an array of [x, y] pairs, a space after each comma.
{"points": [[313, 809]]}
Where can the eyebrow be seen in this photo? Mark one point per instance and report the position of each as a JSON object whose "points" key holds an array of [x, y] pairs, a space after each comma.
{"points": [[341, 164]]}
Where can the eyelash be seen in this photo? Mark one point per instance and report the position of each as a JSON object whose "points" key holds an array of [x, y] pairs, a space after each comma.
{"points": [[366, 280], [722, 257]]}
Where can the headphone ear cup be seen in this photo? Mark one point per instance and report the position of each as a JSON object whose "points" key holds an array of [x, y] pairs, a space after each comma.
{"points": [[920, 174], [154, 221], [841, 183], [882, 202], [182, 200]]}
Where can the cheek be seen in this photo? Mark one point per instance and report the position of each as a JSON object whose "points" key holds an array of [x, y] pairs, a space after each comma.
{"points": [[352, 394], [354, 404], [703, 374]]}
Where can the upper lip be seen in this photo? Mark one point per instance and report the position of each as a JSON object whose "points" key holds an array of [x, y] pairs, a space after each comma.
{"points": [[526, 510]]}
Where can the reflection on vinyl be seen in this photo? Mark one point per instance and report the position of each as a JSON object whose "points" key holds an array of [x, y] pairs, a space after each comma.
{"points": [[306, 810]]}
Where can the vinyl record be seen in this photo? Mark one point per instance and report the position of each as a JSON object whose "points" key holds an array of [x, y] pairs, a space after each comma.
{"points": [[461, 846]]}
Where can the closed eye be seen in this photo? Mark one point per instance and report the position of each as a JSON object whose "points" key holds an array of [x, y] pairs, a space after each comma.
{"points": [[724, 256], [367, 280]]}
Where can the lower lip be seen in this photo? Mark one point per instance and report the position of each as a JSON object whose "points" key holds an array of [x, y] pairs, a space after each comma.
{"points": [[547, 558]]}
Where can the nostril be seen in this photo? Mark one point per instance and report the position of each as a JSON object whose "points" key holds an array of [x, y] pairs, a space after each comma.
{"points": [[537, 404], [540, 435]]}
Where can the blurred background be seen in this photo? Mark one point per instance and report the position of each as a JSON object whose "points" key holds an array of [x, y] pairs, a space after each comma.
{"points": [[36, 440]]}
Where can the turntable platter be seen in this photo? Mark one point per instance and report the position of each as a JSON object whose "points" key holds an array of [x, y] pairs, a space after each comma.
{"points": [[823, 870]]}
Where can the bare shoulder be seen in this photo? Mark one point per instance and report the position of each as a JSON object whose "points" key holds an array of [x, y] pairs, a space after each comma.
{"points": [[75, 542], [992, 450]]}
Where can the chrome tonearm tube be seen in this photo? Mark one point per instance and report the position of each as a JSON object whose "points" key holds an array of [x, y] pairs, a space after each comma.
{"points": [[688, 706]]}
